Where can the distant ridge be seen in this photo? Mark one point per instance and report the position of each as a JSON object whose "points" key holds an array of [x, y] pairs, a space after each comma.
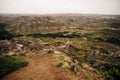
{"points": [[57, 14]]}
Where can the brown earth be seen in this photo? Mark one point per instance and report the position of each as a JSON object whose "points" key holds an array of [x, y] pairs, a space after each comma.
{"points": [[41, 67]]}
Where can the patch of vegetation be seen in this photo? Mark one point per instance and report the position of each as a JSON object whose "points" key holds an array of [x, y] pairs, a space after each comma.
{"points": [[50, 52], [110, 33], [55, 35], [111, 74], [9, 64], [4, 34], [99, 39], [60, 64], [115, 25], [113, 40], [76, 68]]}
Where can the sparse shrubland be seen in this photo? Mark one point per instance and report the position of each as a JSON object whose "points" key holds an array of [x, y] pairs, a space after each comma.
{"points": [[95, 47]]}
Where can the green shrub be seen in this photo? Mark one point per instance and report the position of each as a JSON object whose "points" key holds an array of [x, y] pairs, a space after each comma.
{"points": [[111, 74], [113, 40], [9, 64]]}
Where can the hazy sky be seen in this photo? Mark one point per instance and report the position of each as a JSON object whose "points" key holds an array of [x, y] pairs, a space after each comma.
{"points": [[60, 6]]}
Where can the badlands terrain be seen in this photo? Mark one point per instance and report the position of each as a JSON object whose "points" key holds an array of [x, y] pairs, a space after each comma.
{"points": [[59, 47]]}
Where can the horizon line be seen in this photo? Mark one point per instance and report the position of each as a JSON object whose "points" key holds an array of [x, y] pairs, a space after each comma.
{"points": [[57, 13]]}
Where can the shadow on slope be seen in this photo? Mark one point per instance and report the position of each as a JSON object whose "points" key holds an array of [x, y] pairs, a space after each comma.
{"points": [[56, 35], [4, 34]]}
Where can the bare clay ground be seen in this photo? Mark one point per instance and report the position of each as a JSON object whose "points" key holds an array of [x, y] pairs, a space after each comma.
{"points": [[41, 67]]}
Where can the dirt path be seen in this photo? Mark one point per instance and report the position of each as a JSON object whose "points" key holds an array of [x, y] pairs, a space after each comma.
{"points": [[40, 68]]}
